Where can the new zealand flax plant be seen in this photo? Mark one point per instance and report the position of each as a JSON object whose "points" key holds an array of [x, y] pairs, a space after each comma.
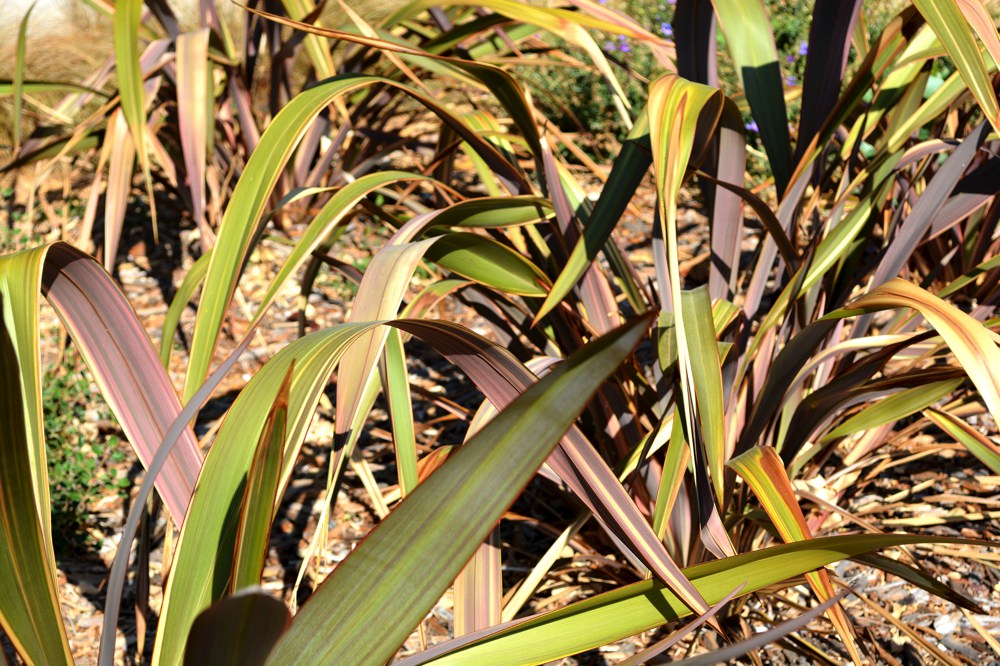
{"points": [[715, 432]]}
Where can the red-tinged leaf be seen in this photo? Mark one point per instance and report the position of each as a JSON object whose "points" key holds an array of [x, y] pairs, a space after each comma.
{"points": [[194, 104], [122, 165], [728, 165], [775, 232], [249, 132], [124, 149], [694, 34], [122, 360], [501, 377], [984, 25], [914, 228], [830, 33], [118, 352], [478, 589], [761, 467], [379, 296], [970, 193]]}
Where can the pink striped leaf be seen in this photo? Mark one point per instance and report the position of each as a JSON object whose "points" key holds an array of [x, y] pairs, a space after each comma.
{"points": [[132, 380], [116, 348]]}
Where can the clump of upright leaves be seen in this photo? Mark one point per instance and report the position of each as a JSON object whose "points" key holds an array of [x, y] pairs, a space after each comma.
{"points": [[698, 419]]}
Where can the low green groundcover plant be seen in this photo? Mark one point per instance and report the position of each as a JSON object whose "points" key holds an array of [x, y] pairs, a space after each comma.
{"points": [[84, 464]]}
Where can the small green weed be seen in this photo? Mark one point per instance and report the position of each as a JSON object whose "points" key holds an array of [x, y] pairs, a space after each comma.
{"points": [[82, 461]]}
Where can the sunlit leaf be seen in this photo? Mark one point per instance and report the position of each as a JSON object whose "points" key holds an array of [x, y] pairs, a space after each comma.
{"points": [[420, 547], [639, 607]]}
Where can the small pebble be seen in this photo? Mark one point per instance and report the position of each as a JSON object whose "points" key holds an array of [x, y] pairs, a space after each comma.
{"points": [[945, 625]]}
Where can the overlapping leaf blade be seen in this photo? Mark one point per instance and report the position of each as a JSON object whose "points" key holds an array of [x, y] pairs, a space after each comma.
{"points": [[642, 606], [238, 631], [259, 500], [761, 467], [751, 43], [242, 221], [971, 343], [29, 605], [978, 444], [419, 549], [949, 24]]}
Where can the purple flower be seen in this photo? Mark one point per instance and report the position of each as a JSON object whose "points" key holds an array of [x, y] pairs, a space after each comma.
{"points": [[791, 80], [609, 46], [623, 46], [790, 58], [803, 48], [666, 29], [752, 126]]}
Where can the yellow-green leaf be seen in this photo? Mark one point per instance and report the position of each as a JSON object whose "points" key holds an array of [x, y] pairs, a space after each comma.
{"points": [[762, 469], [946, 19], [978, 444], [970, 342]]}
